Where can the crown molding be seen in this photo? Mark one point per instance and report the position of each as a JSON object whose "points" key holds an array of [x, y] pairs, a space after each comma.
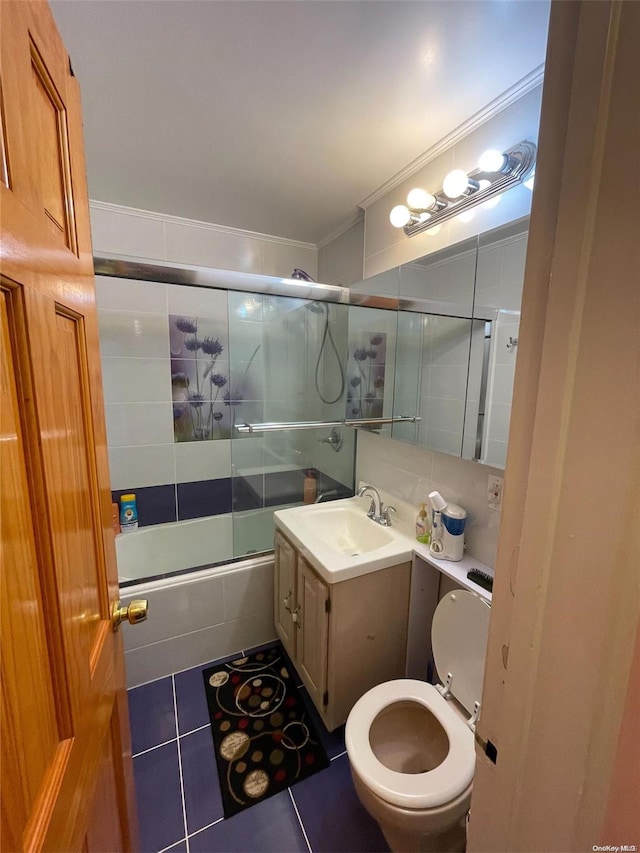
{"points": [[492, 109], [196, 223], [347, 225]]}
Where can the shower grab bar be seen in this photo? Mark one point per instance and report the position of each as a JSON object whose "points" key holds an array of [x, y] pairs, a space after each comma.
{"points": [[285, 425]]}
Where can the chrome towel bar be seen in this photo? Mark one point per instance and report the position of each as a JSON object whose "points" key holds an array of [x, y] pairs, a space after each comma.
{"points": [[350, 422]]}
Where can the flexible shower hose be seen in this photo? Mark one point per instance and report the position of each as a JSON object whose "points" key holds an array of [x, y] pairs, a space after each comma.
{"points": [[328, 333]]}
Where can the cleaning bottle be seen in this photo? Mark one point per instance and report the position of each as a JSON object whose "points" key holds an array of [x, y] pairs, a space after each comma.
{"points": [[422, 526], [128, 513]]}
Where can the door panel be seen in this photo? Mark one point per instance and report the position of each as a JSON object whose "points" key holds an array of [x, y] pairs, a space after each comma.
{"points": [[104, 825], [67, 774], [313, 631], [285, 597], [52, 179], [29, 725]]}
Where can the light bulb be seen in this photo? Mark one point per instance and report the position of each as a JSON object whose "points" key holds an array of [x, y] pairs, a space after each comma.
{"points": [[400, 215], [530, 181], [484, 183], [420, 199], [492, 161], [466, 216], [424, 216], [455, 184]]}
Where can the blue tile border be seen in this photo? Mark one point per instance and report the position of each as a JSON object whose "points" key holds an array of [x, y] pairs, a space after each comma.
{"points": [[156, 504], [205, 497], [182, 501]]}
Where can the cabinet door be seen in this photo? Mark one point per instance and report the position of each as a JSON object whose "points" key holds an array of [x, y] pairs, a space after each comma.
{"points": [[313, 621], [284, 589]]}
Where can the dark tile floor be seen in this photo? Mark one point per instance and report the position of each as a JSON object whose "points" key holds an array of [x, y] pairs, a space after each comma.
{"points": [[179, 802]]}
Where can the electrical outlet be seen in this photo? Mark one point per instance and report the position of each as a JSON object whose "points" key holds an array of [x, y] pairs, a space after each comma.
{"points": [[494, 492]]}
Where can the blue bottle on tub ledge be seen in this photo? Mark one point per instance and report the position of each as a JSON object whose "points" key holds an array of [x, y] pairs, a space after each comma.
{"points": [[128, 513]]}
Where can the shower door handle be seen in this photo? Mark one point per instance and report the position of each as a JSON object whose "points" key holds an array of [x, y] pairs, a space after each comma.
{"points": [[134, 612]]}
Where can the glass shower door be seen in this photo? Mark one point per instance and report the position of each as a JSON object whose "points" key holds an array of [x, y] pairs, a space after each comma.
{"points": [[287, 361]]}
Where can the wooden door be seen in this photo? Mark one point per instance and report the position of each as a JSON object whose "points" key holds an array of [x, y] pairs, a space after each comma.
{"points": [[67, 780], [560, 697], [285, 592], [313, 631]]}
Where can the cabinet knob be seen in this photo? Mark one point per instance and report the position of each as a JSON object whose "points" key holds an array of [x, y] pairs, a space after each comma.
{"points": [[295, 617], [285, 601]]}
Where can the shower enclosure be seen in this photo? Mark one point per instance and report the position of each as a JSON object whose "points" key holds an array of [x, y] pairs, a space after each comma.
{"points": [[184, 366]]}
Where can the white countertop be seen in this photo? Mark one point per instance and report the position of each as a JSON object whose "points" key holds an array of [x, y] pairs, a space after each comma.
{"points": [[456, 571], [334, 566]]}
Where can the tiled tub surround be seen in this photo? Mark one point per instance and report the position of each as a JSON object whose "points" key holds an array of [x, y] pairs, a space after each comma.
{"points": [[178, 794], [200, 615], [267, 350], [201, 498]]}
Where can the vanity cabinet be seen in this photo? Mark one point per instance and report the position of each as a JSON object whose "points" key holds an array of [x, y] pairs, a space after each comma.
{"points": [[343, 638]]}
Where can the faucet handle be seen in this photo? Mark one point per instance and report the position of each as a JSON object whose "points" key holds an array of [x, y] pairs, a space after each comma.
{"points": [[386, 519]]}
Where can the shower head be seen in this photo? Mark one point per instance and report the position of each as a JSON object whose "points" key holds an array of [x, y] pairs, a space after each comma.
{"points": [[302, 275]]}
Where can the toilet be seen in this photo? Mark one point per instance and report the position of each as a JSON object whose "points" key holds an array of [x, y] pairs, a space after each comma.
{"points": [[411, 744]]}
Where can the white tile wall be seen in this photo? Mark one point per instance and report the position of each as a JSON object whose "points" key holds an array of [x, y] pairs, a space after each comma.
{"points": [[281, 259], [133, 334], [163, 548], [340, 261], [202, 460], [197, 302], [125, 231], [146, 235], [199, 617], [141, 465], [410, 473], [139, 423], [185, 651], [136, 380]]}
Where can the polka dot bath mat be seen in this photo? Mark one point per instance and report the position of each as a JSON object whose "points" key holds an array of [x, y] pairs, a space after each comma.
{"points": [[263, 736]]}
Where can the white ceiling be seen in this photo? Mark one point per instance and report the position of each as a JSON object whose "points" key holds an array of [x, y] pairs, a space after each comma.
{"points": [[280, 116]]}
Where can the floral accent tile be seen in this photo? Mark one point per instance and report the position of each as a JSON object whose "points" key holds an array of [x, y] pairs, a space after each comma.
{"points": [[366, 374], [204, 402]]}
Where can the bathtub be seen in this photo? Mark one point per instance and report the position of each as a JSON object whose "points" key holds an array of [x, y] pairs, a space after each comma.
{"points": [[197, 616]]}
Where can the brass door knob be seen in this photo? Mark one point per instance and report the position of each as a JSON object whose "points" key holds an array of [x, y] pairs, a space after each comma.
{"points": [[136, 611]]}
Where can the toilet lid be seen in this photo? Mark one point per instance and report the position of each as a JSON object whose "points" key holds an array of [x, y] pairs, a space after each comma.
{"points": [[459, 640], [431, 789]]}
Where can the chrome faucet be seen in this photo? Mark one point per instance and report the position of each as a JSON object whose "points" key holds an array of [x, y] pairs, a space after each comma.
{"points": [[378, 512]]}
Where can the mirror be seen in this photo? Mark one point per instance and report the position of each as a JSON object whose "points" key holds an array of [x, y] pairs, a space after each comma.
{"points": [[498, 295], [456, 343], [371, 364]]}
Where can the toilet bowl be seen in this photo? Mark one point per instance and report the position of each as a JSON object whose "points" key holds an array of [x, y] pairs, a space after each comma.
{"points": [[411, 745]]}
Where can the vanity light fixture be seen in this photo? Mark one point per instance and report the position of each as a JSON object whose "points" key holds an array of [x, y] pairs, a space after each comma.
{"points": [[496, 172]]}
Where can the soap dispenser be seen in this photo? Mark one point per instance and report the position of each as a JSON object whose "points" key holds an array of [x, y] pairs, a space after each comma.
{"points": [[423, 534]]}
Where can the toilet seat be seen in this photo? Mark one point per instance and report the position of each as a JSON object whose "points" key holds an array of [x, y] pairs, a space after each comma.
{"points": [[411, 790]]}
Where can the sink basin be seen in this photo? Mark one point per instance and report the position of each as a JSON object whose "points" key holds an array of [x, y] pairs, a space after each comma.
{"points": [[340, 541], [347, 530]]}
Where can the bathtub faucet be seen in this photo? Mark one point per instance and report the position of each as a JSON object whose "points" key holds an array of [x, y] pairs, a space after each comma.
{"points": [[323, 496]]}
